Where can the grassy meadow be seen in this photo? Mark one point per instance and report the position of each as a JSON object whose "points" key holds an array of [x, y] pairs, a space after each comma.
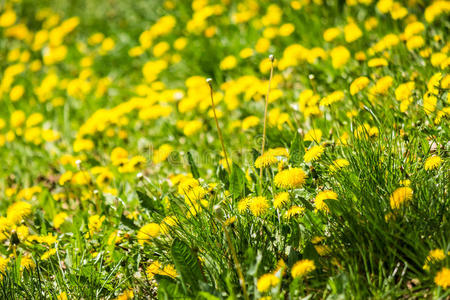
{"points": [[219, 149]]}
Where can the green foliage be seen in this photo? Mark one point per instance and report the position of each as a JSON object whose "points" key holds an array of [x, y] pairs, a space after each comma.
{"points": [[194, 169], [296, 151], [237, 182], [187, 265]]}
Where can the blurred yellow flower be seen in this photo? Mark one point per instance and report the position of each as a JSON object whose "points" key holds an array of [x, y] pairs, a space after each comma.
{"points": [[147, 232], [59, 219], [400, 196], [320, 198], [228, 63], [302, 268], [266, 281], [442, 278], [359, 84], [95, 223]]}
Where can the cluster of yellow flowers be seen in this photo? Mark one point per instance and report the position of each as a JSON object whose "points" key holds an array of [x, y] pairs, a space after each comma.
{"points": [[92, 121]]}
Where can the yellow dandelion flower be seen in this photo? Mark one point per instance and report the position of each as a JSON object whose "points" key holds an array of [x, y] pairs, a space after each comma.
{"points": [[405, 182], [258, 205], [360, 56], [352, 32], [429, 103], [228, 63], [294, 211], [95, 223], [339, 56], [170, 271], [290, 178], [415, 42], [265, 160], [66, 177], [314, 135], [377, 62], [17, 211], [322, 250], [162, 153], [48, 239], [118, 155], [22, 232], [243, 205], [332, 98], [280, 267], [400, 196], [317, 239], [230, 220], [432, 162], [8, 18], [48, 253], [331, 33], [3, 264], [435, 255], [114, 238], [266, 281], [26, 262], [302, 268], [192, 127], [246, 53], [280, 199], [153, 269], [313, 153], [320, 198], [168, 222], [434, 83], [62, 296], [404, 91], [338, 164], [81, 178], [249, 122], [195, 194], [383, 84], [148, 231], [442, 278], [359, 84], [280, 151], [371, 23], [413, 28], [17, 118], [126, 295]]}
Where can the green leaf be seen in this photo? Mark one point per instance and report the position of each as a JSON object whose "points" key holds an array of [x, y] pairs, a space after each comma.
{"points": [[128, 223], [147, 202], [255, 154], [294, 236], [297, 150], [169, 288], [193, 166], [222, 174], [187, 265], [207, 296], [237, 182]]}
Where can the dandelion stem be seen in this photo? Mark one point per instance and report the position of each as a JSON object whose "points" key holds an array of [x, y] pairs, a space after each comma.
{"points": [[236, 262], [209, 80], [272, 58]]}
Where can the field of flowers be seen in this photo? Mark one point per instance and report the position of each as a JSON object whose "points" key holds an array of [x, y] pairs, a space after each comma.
{"points": [[219, 149]]}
